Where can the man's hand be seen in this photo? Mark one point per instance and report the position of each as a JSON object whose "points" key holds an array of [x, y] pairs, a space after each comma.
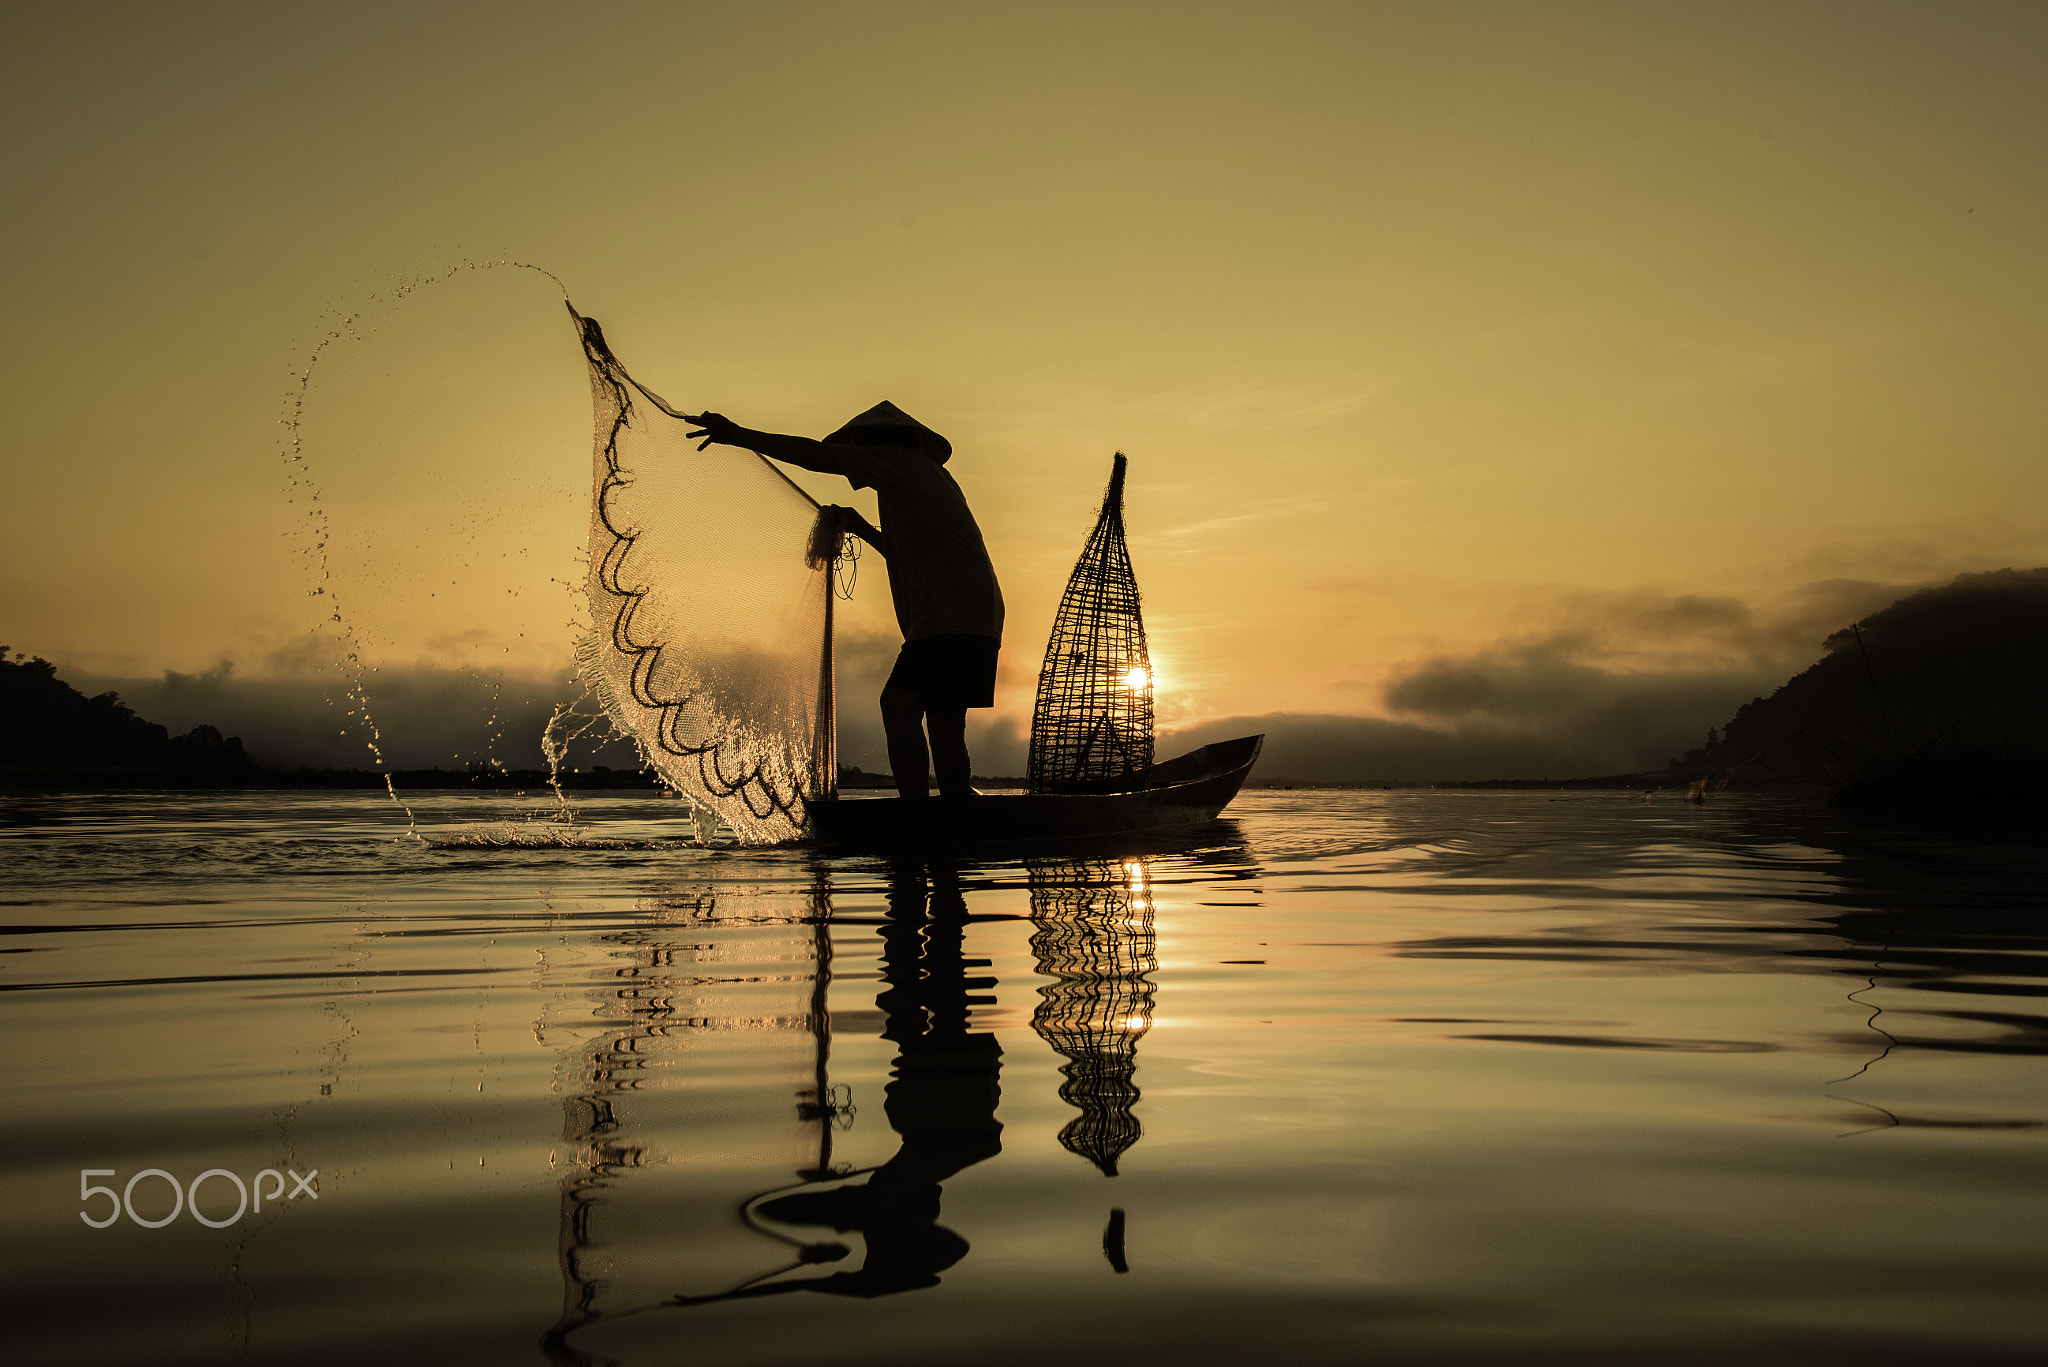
{"points": [[715, 427], [852, 523], [798, 451]]}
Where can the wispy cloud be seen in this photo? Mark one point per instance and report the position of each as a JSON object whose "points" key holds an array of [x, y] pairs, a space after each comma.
{"points": [[1264, 407], [1172, 540], [1624, 680]]}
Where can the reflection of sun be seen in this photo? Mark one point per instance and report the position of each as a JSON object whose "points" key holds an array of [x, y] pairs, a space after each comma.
{"points": [[1135, 1022]]}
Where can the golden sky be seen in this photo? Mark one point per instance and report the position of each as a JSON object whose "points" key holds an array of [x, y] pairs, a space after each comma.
{"points": [[1441, 332]]}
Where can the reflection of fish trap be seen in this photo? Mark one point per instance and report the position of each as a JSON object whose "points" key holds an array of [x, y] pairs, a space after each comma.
{"points": [[1093, 717], [1094, 939]]}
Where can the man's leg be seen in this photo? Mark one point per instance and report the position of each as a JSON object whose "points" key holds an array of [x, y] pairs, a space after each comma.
{"points": [[903, 722], [948, 727]]}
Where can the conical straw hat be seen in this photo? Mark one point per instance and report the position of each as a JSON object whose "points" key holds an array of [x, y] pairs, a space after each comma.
{"points": [[886, 414]]}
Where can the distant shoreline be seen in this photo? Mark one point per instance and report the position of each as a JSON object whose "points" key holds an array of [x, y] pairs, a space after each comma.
{"points": [[137, 779], [411, 780]]}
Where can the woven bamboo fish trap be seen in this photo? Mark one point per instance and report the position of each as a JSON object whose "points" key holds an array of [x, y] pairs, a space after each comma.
{"points": [[1092, 721]]}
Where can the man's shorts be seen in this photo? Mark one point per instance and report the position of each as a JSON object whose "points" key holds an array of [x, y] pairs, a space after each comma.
{"points": [[956, 670]]}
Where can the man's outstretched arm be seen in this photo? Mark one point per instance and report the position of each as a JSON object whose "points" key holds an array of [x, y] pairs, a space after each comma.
{"points": [[798, 451]]}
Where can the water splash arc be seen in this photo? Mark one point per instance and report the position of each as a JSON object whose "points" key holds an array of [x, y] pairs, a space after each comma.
{"points": [[299, 482]]}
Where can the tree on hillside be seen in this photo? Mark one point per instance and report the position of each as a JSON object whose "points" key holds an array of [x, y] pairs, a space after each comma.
{"points": [[1941, 690], [47, 724]]}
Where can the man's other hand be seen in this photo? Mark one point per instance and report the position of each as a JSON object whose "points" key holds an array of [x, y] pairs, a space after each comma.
{"points": [[714, 427]]}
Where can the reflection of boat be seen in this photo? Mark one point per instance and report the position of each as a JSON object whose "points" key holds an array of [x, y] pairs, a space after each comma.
{"points": [[643, 1227], [1093, 938], [1184, 791]]}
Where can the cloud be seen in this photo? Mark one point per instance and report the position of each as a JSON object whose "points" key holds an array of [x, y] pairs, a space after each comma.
{"points": [[1927, 552], [1621, 682], [296, 710], [1604, 683], [1199, 535], [301, 657], [1649, 630], [419, 716], [1328, 747], [1259, 407]]}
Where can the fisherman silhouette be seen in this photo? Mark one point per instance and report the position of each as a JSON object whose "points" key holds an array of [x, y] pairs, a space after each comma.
{"points": [[941, 1101], [947, 601]]}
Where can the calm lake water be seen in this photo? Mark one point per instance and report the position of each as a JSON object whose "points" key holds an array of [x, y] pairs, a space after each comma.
{"points": [[1402, 1077]]}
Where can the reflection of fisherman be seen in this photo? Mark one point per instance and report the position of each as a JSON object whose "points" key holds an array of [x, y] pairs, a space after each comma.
{"points": [[947, 600], [941, 1100]]}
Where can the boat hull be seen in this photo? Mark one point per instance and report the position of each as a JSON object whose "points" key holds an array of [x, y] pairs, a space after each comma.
{"points": [[1185, 791]]}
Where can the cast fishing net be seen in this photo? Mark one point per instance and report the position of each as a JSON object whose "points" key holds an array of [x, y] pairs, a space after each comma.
{"points": [[710, 590]]}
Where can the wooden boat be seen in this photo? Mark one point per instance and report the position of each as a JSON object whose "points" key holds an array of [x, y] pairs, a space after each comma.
{"points": [[1178, 792]]}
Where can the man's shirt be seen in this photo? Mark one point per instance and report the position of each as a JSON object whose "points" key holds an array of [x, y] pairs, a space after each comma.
{"points": [[939, 571]]}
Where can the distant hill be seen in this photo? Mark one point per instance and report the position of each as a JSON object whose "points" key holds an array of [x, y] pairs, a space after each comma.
{"points": [[1941, 696], [46, 724]]}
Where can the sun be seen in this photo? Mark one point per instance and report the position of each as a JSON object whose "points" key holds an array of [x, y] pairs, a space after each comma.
{"points": [[1138, 679]]}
